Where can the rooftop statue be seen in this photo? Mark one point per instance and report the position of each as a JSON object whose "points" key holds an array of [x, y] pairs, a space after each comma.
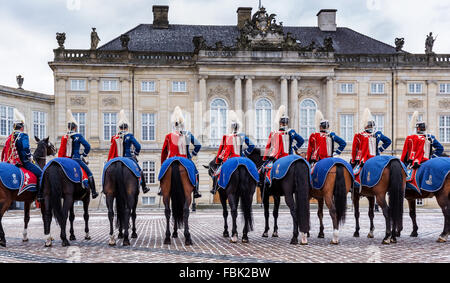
{"points": [[429, 42], [399, 42], [94, 39]]}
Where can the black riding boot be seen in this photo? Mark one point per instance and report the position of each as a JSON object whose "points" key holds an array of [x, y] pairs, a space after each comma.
{"points": [[196, 193], [160, 192], [40, 193], [143, 184], [92, 186], [214, 188]]}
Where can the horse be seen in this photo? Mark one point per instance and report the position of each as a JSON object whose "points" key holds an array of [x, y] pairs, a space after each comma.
{"points": [[443, 200], [336, 186], [121, 183], [294, 186], [240, 187], [393, 183], [176, 189], [44, 148]]}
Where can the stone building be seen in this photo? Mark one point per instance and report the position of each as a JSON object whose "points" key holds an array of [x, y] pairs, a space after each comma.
{"points": [[251, 67]]}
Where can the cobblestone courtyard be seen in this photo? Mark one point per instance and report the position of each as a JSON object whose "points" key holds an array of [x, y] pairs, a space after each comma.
{"points": [[209, 245]]}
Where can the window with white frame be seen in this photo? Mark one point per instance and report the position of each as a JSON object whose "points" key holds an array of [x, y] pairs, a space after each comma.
{"points": [[39, 122], [80, 117], [148, 126], [444, 128], [379, 122], [179, 86], [109, 125], [148, 86], [148, 200], [444, 88], [346, 121], [347, 88], [411, 128], [149, 170], [6, 120], [78, 85], [415, 88], [218, 121], [263, 112], [110, 85], [377, 88], [308, 109]]}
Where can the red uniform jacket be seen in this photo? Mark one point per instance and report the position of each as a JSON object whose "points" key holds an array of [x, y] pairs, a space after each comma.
{"points": [[364, 147], [113, 150], [318, 146], [226, 148], [416, 149], [171, 148], [9, 152], [275, 147]]}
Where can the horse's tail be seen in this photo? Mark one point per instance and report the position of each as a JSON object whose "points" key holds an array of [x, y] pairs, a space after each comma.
{"points": [[246, 195], [121, 193], [177, 194], [340, 194], [396, 192], [53, 177], [302, 187]]}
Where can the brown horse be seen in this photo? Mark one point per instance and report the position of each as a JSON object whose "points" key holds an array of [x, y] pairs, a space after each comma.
{"points": [[44, 149], [392, 182], [176, 188], [334, 192]]}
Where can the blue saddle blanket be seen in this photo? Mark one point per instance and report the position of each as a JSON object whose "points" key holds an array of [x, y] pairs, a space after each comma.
{"points": [[282, 165], [128, 162], [231, 165], [71, 169], [373, 169], [432, 174], [320, 171], [187, 164], [13, 178]]}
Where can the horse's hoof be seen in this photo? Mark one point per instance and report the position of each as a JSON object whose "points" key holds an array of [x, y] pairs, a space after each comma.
{"points": [[188, 242], [304, 239], [226, 234], [321, 235], [442, 239], [234, 239], [294, 241], [134, 235], [175, 235], [25, 240], [112, 243], [120, 236], [386, 241], [126, 242], [72, 238], [65, 243], [356, 234], [397, 234], [87, 238], [414, 234], [265, 235], [167, 241], [393, 240], [48, 244], [275, 234], [3, 243], [244, 240], [333, 242], [370, 235]]}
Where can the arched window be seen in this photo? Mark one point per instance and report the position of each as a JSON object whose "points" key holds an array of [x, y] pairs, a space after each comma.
{"points": [[307, 116], [263, 111], [218, 121]]}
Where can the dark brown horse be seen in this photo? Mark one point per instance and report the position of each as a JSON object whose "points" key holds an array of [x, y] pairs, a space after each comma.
{"points": [[240, 187], [177, 188], [121, 184], [392, 182], [44, 149], [334, 192]]}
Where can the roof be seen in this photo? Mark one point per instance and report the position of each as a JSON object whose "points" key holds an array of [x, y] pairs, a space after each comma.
{"points": [[178, 38], [26, 93]]}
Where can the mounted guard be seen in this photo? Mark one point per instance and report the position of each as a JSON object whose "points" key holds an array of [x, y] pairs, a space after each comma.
{"points": [[124, 144], [70, 148]]}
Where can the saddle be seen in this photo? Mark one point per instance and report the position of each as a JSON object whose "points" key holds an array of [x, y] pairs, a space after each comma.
{"points": [[17, 178]]}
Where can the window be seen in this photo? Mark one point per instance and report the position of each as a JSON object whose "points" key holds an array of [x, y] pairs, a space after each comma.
{"points": [[379, 122], [78, 85], [218, 121], [444, 128], [307, 119], [148, 200], [109, 125], [377, 88], [148, 86], [411, 129], [149, 170], [148, 127], [347, 88], [263, 113], [6, 120], [178, 86], [110, 85], [444, 88], [414, 88], [81, 120], [39, 120], [347, 127]]}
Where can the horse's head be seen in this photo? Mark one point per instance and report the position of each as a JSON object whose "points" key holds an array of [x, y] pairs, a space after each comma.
{"points": [[212, 167], [44, 148], [257, 157]]}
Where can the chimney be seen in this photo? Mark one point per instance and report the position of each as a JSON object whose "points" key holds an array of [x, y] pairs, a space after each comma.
{"points": [[326, 19], [160, 16], [243, 14]]}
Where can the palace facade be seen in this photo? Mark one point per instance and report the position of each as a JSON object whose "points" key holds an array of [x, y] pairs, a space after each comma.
{"points": [[251, 67]]}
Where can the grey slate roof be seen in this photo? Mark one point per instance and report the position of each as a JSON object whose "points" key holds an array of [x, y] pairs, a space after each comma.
{"points": [[178, 38]]}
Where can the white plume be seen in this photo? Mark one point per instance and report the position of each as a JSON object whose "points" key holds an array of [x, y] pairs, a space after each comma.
{"points": [[280, 114], [70, 118], [367, 116], [18, 117], [177, 116], [414, 120], [122, 118], [233, 118], [319, 118]]}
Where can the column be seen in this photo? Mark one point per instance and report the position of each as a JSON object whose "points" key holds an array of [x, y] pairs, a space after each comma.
{"points": [[200, 108], [431, 105], [293, 104], [249, 129], [284, 91], [238, 96], [93, 129], [61, 105], [330, 100]]}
